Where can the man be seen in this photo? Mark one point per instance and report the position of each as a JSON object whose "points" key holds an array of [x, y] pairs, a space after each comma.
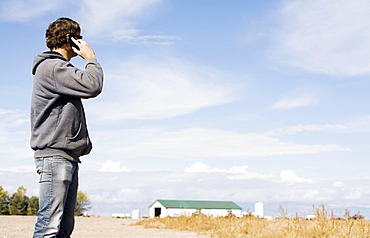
{"points": [[59, 133]]}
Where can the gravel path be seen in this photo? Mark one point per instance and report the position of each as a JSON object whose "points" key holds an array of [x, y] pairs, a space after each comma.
{"points": [[90, 227]]}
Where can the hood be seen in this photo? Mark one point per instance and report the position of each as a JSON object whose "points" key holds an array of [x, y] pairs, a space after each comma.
{"points": [[44, 56]]}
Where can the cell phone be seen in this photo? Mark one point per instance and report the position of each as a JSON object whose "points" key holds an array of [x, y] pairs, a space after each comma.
{"points": [[72, 43]]}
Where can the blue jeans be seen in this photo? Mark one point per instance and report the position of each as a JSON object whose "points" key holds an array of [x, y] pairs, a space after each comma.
{"points": [[57, 200]]}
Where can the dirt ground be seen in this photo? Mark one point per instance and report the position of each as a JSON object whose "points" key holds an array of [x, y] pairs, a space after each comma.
{"points": [[90, 227]]}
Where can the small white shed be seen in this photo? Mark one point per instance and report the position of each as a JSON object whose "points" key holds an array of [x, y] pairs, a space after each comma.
{"points": [[175, 208]]}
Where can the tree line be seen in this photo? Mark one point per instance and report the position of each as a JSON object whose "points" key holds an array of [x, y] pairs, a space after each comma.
{"points": [[20, 204]]}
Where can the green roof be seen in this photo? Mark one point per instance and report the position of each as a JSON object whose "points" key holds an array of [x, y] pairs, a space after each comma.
{"points": [[199, 204]]}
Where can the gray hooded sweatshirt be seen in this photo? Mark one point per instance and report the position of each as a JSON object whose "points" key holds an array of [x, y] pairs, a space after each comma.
{"points": [[58, 124]]}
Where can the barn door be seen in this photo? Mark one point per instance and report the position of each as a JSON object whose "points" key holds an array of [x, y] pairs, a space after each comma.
{"points": [[157, 211]]}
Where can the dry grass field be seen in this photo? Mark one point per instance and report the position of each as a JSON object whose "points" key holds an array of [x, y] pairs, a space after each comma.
{"points": [[320, 227], [253, 227], [200, 226]]}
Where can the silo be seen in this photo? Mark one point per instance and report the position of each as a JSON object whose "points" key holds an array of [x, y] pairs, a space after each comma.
{"points": [[258, 209], [135, 214]]}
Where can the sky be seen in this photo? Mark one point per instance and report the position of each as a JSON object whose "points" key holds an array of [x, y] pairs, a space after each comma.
{"points": [[240, 101]]}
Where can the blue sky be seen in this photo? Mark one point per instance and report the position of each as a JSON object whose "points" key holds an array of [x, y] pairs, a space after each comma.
{"points": [[223, 100]]}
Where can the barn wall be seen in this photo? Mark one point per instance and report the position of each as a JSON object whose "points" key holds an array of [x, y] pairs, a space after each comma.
{"points": [[221, 212], [177, 212], [157, 205]]}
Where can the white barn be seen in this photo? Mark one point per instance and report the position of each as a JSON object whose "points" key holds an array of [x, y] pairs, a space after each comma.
{"points": [[175, 208]]}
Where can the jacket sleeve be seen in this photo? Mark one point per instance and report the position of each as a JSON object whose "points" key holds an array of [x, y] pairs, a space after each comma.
{"points": [[74, 82]]}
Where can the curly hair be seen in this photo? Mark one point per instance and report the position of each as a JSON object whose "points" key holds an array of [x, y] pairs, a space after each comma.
{"points": [[57, 31]]}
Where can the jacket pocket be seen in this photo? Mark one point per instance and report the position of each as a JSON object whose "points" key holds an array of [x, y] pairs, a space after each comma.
{"points": [[78, 143]]}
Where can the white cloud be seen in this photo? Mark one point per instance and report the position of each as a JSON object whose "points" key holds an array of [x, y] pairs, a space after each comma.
{"points": [[354, 194], [120, 195], [111, 166], [128, 190], [338, 184], [359, 125], [356, 125], [288, 176], [18, 169], [325, 36], [118, 19], [246, 175], [12, 118], [98, 16], [133, 36], [205, 143], [105, 189], [301, 101], [100, 197], [25, 10], [239, 172], [114, 21], [167, 88], [14, 135], [309, 127], [198, 167]]}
